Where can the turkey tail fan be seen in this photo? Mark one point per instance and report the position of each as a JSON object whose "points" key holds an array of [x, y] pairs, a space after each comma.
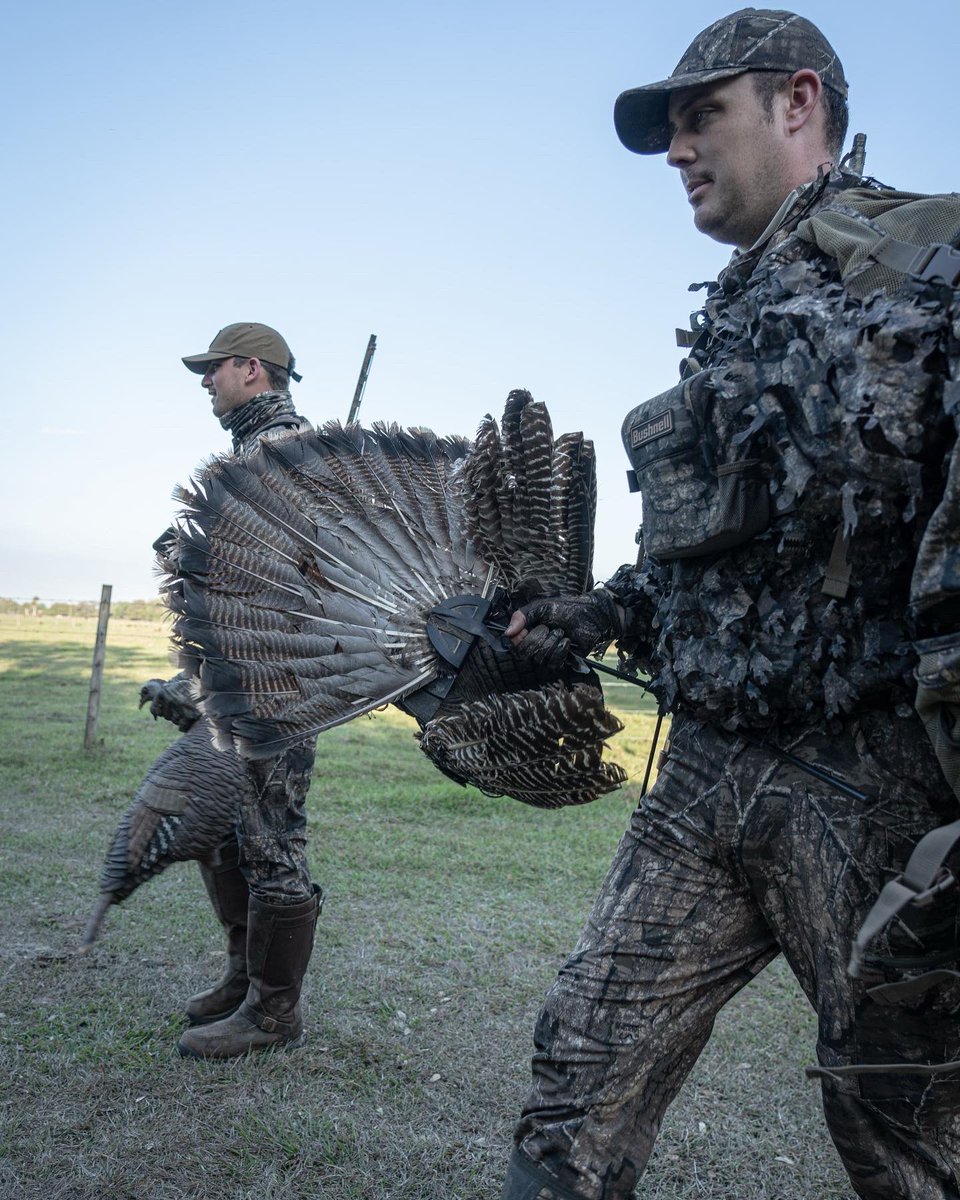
{"points": [[304, 574], [331, 572]]}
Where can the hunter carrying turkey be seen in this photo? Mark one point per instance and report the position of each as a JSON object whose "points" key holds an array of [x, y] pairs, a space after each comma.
{"points": [[258, 880], [799, 572]]}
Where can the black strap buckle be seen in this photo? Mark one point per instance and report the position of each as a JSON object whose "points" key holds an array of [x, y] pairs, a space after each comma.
{"points": [[938, 261]]}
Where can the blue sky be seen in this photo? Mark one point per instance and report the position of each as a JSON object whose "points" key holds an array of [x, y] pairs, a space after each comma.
{"points": [[443, 175]]}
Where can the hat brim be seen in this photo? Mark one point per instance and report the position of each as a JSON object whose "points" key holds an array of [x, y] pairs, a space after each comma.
{"points": [[198, 363], [640, 114]]}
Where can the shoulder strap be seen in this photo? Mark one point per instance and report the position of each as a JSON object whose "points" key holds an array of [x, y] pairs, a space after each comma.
{"points": [[933, 262], [878, 237]]}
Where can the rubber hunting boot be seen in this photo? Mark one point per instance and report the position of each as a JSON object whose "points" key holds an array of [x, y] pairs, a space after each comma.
{"points": [[279, 944], [230, 898]]}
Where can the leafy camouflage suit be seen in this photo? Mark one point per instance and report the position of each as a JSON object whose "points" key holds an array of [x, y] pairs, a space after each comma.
{"points": [[271, 826], [800, 638]]}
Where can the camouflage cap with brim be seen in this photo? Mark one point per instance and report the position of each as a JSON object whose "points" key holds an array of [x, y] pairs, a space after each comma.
{"points": [[244, 339], [751, 39]]}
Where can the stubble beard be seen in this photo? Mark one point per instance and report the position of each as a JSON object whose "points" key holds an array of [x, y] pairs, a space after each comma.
{"points": [[716, 216], [733, 216]]}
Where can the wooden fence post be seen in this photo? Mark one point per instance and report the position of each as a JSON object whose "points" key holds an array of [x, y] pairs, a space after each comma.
{"points": [[96, 677]]}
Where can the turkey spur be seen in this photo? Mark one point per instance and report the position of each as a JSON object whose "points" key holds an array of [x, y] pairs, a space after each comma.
{"points": [[347, 568]]}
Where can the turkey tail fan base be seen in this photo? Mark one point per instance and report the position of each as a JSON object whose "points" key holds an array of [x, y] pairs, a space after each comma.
{"points": [[304, 578], [184, 809]]}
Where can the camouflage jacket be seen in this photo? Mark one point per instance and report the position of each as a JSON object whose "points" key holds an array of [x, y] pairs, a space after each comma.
{"points": [[838, 405]]}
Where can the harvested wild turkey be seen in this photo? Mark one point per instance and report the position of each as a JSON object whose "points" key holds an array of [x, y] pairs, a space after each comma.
{"points": [[185, 808], [337, 571]]}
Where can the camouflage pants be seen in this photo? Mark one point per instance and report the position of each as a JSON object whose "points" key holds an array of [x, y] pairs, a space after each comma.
{"points": [[272, 826], [732, 857]]}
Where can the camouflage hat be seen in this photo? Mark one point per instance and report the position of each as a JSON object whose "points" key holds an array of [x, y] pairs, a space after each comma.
{"points": [[245, 339], [752, 39]]}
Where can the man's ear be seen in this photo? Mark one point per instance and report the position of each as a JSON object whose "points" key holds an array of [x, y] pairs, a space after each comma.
{"points": [[802, 93], [254, 370]]}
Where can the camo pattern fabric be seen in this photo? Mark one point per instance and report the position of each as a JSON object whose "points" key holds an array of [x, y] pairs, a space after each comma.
{"points": [[843, 402], [935, 594], [272, 826], [269, 415], [734, 855]]}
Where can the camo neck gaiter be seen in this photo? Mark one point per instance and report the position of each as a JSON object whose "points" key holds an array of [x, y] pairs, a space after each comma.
{"points": [[259, 413]]}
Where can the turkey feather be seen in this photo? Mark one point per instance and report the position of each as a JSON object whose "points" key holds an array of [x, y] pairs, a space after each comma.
{"points": [[304, 580]]}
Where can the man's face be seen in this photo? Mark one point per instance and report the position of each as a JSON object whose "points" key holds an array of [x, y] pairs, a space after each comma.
{"points": [[732, 156], [224, 381]]}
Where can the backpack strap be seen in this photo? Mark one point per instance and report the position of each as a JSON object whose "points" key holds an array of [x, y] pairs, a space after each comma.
{"points": [[934, 262]]}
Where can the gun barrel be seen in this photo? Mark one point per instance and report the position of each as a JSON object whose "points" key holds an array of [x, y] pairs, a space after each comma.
{"points": [[362, 381]]}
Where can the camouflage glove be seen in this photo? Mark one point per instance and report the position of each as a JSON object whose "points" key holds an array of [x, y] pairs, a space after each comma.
{"points": [[548, 650], [494, 670], [171, 700], [590, 621]]}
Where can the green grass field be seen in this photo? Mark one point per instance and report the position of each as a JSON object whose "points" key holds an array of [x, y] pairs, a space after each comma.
{"points": [[446, 916]]}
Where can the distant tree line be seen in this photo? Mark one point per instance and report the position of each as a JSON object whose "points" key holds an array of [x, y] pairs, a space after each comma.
{"points": [[126, 610]]}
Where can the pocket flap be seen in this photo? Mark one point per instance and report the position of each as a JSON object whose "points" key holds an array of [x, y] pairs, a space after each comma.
{"points": [[659, 428]]}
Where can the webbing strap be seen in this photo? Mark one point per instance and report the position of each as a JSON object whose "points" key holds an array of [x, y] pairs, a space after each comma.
{"points": [[836, 581], [898, 1068], [923, 877], [935, 261], [893, 993]]}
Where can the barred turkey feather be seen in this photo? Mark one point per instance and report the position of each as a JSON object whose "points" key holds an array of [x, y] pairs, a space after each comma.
{"points": [[574, 510], [185, 808], [543, 747], [303, 579], [531, 501], [481, 511]]}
